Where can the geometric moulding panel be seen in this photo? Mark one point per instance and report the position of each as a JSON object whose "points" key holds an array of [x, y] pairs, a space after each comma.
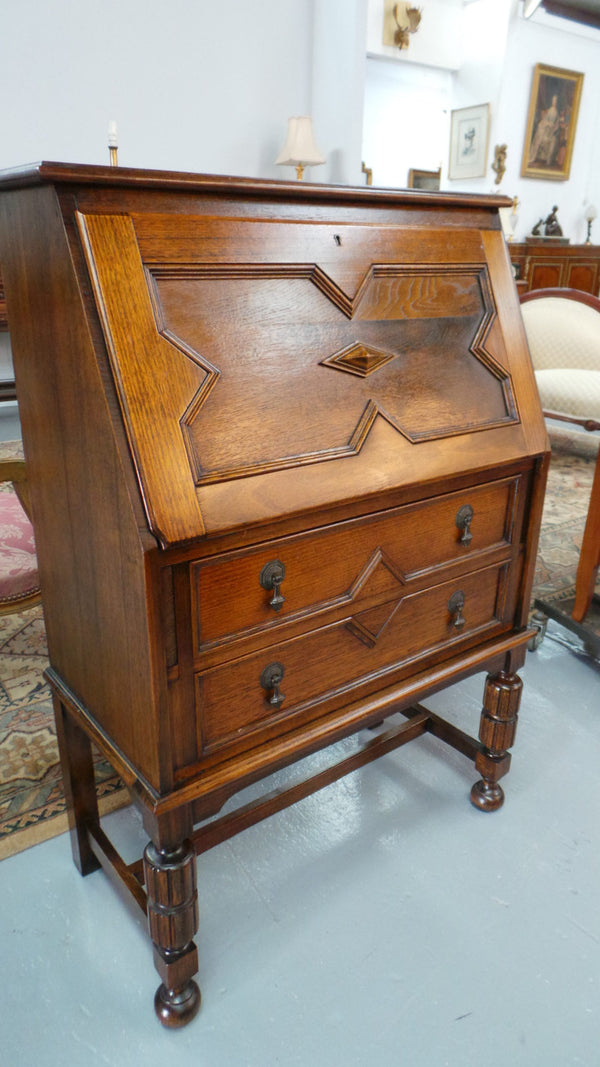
{"points": [[414, 346]]}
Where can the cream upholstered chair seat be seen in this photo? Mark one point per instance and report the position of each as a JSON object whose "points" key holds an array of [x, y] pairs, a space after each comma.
{"points": [[563, 333], [572, 391]]}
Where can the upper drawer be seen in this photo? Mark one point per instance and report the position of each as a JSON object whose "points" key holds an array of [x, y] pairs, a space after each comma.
{"points": [[359, 561]]}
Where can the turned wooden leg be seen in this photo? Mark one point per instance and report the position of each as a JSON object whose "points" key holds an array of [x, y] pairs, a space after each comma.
{"points": [[79, 786], [173, 921], [589, 557], [497, 730]]}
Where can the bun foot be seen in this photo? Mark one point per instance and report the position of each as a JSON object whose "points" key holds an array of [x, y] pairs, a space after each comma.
{"points": [[177, 1007], [487, 796]]}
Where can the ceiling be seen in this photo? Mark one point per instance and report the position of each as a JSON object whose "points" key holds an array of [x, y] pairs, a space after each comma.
{"points": [[586, 11]]}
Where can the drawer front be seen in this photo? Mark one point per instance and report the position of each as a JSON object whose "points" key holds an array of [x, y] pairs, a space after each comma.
{"points": [[293, 680], [355, 562]]}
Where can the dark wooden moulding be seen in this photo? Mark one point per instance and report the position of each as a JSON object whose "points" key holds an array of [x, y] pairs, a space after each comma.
{"points": [[287, 464]]}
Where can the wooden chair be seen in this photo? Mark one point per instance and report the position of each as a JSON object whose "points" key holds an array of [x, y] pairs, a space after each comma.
{"points": [[563, 333], [19, 582]]}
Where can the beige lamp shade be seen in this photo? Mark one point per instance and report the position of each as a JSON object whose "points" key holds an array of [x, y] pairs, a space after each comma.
{"points": [[300, 150]]}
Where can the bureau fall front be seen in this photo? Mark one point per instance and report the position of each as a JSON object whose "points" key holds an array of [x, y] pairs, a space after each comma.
{"points": [[287, 465]]}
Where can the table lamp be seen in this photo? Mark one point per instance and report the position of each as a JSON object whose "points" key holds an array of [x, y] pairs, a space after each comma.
{"points": [[300, 150]]}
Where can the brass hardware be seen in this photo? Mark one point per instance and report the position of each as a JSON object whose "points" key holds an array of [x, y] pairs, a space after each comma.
{"points": [[271, 577], [455, 607], [270, 679], [368, 171], [464, 518]]}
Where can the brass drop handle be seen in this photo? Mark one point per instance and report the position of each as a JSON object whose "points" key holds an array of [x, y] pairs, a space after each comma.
{"points": [[464, 518], [270, 679], [271, 578], [455, 607]]}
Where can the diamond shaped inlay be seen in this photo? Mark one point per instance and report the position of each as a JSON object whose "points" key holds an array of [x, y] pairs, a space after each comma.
{"points": [[379, 577], [358, 359], [369, 625]]}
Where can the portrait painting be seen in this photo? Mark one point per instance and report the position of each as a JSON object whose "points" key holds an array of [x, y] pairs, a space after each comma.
{"points": [[551, 123]]}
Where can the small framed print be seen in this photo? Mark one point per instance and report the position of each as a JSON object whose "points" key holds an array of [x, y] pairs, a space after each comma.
{"points": [[469, 131]]}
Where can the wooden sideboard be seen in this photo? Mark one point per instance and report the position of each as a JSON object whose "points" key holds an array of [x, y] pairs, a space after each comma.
{"points": [[545, 265], [287, 465]]}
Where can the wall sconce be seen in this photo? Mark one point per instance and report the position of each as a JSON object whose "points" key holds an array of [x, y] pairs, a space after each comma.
{"points": [[300, 150], [499, 164], [412, 18], [590, 214]]}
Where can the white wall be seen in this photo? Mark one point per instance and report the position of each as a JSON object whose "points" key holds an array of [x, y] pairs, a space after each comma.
{"points": [[408, 105], [562, 44], [192, 84], [405, 119], [206, 85], [338, 88]]}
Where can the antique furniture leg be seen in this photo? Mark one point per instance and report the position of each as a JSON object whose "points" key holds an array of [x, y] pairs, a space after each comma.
{"points": [[79, 786], [170, 876], [501, 699], [589, 557]]}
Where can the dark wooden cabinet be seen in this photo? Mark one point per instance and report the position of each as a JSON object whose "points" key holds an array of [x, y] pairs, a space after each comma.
{"points": [[544, 265], [287, 465]]}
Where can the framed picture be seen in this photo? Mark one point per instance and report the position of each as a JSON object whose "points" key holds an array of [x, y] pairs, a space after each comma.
{"points": [[469, 142], [424, 179], [551, 123]]}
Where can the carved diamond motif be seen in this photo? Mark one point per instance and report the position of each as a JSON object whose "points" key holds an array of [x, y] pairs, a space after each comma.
{"points": [[358, 359], [369, 625]]}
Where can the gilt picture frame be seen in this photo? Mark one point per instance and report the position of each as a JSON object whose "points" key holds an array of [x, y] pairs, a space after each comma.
{"points": [[469, 135], [424, 179], [551, 123]]}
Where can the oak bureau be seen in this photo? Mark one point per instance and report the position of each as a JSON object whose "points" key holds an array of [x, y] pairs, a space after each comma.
{"points": [[287, 465]]}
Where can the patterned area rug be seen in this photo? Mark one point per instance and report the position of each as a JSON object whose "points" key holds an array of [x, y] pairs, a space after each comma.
{"points": [[32, 805], [565, 508]]}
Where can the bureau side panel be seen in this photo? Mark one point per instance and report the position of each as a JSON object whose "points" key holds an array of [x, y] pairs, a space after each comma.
{"points": [[95, 594]]}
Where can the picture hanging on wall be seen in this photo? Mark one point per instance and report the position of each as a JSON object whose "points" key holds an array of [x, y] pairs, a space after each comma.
{"points": [[551, 123], [424, 179], [469, 142]]}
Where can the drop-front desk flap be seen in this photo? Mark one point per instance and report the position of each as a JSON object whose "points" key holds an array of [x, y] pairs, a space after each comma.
{"points": [[287, 464]]}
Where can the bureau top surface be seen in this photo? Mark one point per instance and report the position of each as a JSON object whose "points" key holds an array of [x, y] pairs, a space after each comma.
{"points": [[278, 347], [131, 177]]}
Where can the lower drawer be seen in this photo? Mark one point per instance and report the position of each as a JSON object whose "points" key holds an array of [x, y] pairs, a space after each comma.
{"points": [[292, 680]]}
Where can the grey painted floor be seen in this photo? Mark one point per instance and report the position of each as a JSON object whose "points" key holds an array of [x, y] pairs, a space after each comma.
{"points": [[382, 922]]}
